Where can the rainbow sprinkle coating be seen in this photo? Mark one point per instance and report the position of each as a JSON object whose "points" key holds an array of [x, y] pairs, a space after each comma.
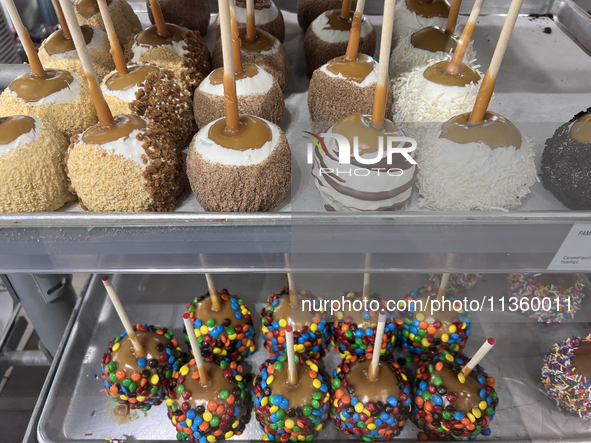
{"points": [[311, 340], [281, 421], [232, 339], [369, 420], [457, 282], [426, 338], [433, 408], [563, 383], [220, 417], [527, 286], [349, 339], [146, 387]]}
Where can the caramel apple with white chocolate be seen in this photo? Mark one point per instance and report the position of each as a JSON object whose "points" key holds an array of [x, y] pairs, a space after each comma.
{"points": [[258, 92], [414, 15], [329, 34], [58, 50], [565, 157], [32, 177], [171, 47], [266, 14], [124, 19]]}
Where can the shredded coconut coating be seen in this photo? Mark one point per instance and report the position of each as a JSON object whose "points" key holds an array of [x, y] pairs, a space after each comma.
{"points": [[106, 182], [404, 58], [32, 177], [124, 19], [101, 59], [67, 117], [189, 70], [464, 177], [276, 64]]}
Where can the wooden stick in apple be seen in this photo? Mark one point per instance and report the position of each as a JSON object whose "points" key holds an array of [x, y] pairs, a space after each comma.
{"points": [[458, 58], [116, 50], [229, 78], [374, 368], [480, 354], [203, 376], [452, 18], [292, 374], [238, 68], [161, 28], [355, 35]]}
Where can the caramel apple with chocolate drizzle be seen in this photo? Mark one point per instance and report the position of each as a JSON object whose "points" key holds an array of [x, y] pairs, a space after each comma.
{"points": [[439, 91], [291, 397], [32, 177], [379, 386], [257, 90], [124, 163], [147, 91], [171, 47], [374, 190], [199, 383], [414, 15], [239, 163], [138, 367], [483, 137], [124, 19], [427, 44], [336, 32], [257, 47], [58, 51], [265, 13], [56, 97], [346, 84]]}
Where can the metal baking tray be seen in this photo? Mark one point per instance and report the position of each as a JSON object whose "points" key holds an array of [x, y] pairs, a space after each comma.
{"points": [[76, 410]]}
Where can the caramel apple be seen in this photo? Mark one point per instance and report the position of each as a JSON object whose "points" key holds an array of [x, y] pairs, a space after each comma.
{"points": [[124, 19]]}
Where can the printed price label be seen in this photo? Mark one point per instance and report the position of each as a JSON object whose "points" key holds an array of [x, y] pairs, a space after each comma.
{"points": [[575, 252]]}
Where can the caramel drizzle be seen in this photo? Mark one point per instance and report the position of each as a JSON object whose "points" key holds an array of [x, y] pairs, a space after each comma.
{"points": [[264, 41], [494, 130], [438, 73], [122, 127], [428, 8], [433, 39], [581, 130], [151, 37], [217, 76], [59, 43], [353, 70], [13, 127], [252, 133], [89, 8], [32, 88], [337, 22], [361, 126], [134, 76]]}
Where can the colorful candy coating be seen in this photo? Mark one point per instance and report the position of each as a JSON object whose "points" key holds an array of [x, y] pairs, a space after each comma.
{"points": [[448, 405], [310, 337], [290, 413], [457, 282], [370, 410], [353, 332], [426, 336], [564, 383], [141, 382], [548, 311], [230, 336]]}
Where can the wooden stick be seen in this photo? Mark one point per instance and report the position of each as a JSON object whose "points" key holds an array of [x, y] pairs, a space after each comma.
{"points": [[238, 68], [25, 38], [251, 30], [480, 354], [137, 346], [293, 290], [216, 303], [374, 367], [161, 28], [355, 35], [102, 109], [452, 18], [458, 58], [292, 373], [490, 79], [229, 78], [366, 277], [203, 376], [379, 101], [61, 19], [346, 9], [116, 51], [443, 286]]}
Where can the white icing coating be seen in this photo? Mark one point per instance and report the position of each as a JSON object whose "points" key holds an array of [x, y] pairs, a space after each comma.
{"points": [[353, 178], [259, 84], [464, 177], [179, 48], [22, 139], [128, 147], [405, 57], [370, 79], [419, 102], [70, 93], [406, 22], [215, 153], [127, 95], [335, 36], [98, 39]]}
